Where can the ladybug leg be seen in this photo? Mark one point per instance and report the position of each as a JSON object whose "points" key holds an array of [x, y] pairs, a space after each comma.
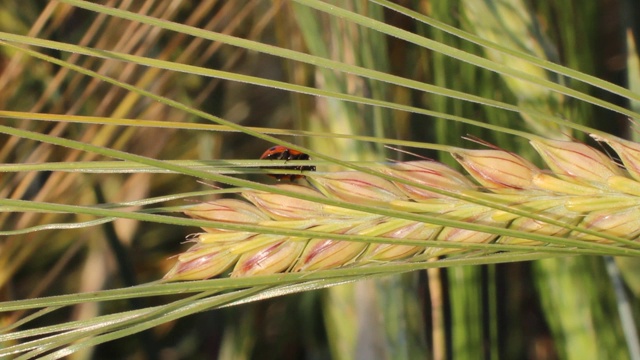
{"points": [[286, 156]]}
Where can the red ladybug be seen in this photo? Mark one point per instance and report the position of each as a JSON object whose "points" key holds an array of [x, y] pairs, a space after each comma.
{"points": [[280, 152]]}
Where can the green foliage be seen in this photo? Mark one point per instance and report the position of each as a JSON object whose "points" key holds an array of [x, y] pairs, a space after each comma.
{"points": [[177, 92]]}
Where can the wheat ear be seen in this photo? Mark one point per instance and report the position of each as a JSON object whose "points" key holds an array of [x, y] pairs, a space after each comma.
{"points": [[585, 197]]}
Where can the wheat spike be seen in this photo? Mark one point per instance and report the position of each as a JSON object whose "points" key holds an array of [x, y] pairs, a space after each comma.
{"points": [[584, 188]]}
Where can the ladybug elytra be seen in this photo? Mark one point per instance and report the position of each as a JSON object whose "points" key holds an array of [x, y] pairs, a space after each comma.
{"points": [[280, 152]]}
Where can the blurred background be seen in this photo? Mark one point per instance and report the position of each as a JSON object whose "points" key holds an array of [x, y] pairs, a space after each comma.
{"points": [[550, 309]]}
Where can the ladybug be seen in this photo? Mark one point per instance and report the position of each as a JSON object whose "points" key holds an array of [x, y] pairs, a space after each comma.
{"points": [[280, 152]]}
